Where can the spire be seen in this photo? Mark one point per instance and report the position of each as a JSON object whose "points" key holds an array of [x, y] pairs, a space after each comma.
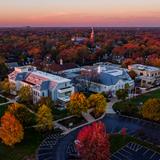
{"points": [[92, 36]]}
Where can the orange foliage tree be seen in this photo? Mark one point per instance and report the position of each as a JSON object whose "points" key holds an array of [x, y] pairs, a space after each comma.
{"points": [[11, 131], [78, 103], [98, 102], [92, 143]]}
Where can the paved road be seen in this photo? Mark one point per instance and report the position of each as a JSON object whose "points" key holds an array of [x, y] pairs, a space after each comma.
{"points": [[113, 123]]}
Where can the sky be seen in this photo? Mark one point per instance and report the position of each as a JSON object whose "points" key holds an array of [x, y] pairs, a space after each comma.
{"points": [[81, 13]]}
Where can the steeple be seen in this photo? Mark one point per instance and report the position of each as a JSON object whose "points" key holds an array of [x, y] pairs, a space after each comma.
{"points": [[92, 36]]}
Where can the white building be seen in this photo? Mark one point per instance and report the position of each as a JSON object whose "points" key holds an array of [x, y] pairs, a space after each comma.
{"points": [[43, 84], [100, 78], [148, 75]]}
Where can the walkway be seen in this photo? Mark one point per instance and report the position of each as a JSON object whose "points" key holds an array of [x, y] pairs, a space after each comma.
{"points": [[87, 116], [109, 109], [8, 102]]}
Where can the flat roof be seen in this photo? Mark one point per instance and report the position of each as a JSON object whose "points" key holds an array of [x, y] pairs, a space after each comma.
{"points": [[51, 77], [144, 67]]}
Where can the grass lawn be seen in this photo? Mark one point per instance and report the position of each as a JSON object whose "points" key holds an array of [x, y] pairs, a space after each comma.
{"points": [[76, 121], [3, 108], [118, 141], [3, 100], [27, 147], [59, 114], [137, 101], [142, 98]]}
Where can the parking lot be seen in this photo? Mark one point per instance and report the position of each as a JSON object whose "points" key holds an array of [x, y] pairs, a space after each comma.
{"points": [[133, 151]]}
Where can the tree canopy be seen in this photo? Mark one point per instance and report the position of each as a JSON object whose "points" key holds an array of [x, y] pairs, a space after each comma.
{"points": [[151, 109], [11, 131], [98, 103], [44, 118], [78, 104], [92, 142]]}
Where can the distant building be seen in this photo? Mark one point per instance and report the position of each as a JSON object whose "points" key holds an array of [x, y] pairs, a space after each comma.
{"points": [[79, 40], [148, 75], [82, 40], [12, 65], [43, 84]]}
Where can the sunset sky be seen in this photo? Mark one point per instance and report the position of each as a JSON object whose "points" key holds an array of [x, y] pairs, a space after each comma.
{"points": [[80, 13]]}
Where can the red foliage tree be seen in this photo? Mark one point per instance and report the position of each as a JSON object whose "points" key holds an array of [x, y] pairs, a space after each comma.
{"points": [[92, 142]]}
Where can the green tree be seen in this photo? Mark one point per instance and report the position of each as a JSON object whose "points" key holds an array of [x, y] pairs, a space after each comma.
{"points": [[78, 104], [44, 118], [25, 94], [122, 94], [98, 102], [151, 109]]}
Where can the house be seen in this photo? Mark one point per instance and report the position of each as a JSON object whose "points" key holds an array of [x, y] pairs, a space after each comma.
{"points": [[42, 84], [149, 76], [100, 78]]}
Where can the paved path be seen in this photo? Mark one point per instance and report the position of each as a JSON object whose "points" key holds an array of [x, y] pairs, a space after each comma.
{"points": [[8, 102], [109, 108], [63, 128], [87, 116]]}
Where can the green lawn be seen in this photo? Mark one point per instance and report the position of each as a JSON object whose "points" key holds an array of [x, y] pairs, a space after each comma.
{"points": [[3, 108], [27, 147], [135, 102], [142, 98], [3, 100], [59, 114], [118, 141]]}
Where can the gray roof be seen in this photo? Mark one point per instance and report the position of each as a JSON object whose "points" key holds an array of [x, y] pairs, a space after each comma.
{"points": [[45, 85], [108, 79], [21, 76]]}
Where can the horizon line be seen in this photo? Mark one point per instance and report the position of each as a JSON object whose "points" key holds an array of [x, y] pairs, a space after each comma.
{"points": [[28, 26]]}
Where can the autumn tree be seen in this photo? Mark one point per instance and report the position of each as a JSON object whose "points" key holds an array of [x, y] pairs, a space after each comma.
{"points": [[132, 74], [25, 94], [151, 109], [44, 118], [3, 67], [92, 142], [127, 62], [122, 94], [47, 101], [78, 104], [5, 86], [21, 113], [11, 131], [98, 102]]}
